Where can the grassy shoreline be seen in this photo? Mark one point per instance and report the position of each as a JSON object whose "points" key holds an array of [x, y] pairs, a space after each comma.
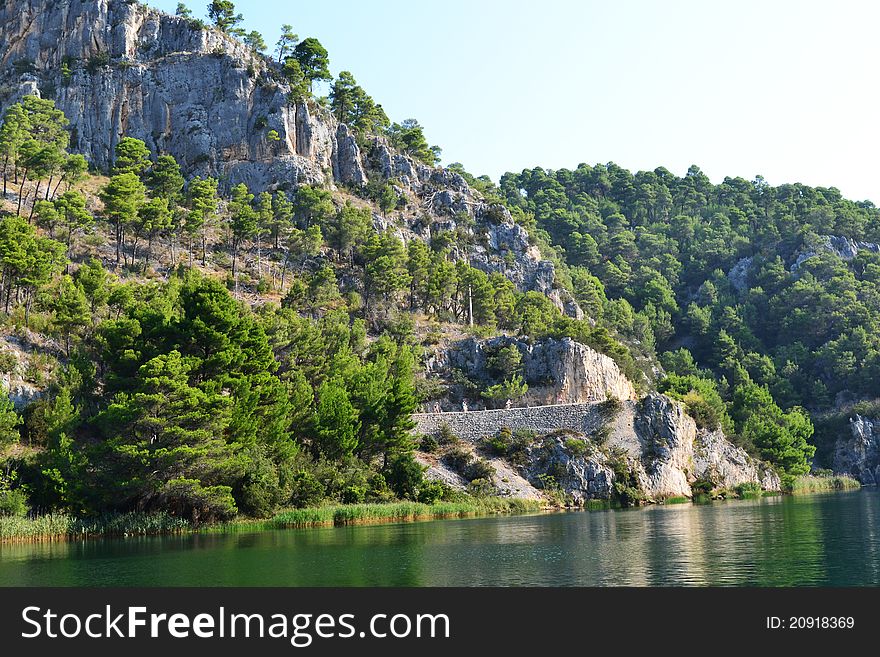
{"points": [[61, 527], [811, 484]]}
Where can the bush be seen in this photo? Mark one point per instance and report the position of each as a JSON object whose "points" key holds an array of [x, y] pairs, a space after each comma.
{"points": [[500, 443], [428, 444], [610, 407], [481, 488], [748, 489], [307, 490], [13, 503], [8, 362], [576, 446], [354, 494], [479, 469], [187, 498], [97, 61], [404, 476], [260, 491], [378, 490], [431, 492], [445, 436], [458, 458]]}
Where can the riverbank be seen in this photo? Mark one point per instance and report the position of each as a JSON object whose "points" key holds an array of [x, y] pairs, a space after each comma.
{"points": [[823, 484], [60, 527]]}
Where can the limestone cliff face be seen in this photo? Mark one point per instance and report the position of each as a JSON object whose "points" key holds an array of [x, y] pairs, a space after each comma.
{"points": [[212, 103], [859, 453], [652, 438], [195, 93], [557, 371]]}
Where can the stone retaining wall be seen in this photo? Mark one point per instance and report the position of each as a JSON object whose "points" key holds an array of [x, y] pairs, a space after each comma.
{"points": [[473, 425]]}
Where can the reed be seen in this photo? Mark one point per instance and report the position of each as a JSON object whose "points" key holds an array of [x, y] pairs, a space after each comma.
{"points": [[813, 484]]}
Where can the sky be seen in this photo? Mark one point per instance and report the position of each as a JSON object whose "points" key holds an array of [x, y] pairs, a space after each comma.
{"points": [[784, 89]]}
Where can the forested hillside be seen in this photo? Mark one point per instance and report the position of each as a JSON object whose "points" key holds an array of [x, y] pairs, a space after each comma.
{"points": [[744, 290], [210, 335]]}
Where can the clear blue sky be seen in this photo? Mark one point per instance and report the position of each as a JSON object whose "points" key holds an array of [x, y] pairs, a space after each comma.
{"points": [[786, 89]]}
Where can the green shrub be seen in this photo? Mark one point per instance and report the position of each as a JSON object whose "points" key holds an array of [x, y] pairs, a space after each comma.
{"points": [[428, 444], [748, 489], [13, 503], [8, 362], [703, 487], [576, 446], [354, 494], [445, 436], [378, 490], [187, 498], [481, 488], [458, 458], [97, 61], [307, 490], [479, 469], [500, 443], [431, 492], [404, 476]]}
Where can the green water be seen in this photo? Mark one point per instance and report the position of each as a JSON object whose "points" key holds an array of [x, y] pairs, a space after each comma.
{"points": [[831, 539]]}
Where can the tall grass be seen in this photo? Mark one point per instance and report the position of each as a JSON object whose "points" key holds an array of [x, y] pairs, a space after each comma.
{"points": [[63, 526], [812, 484], [356, 514]]}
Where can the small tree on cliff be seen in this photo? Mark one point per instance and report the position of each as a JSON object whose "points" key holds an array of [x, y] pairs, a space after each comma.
{"points": [[222, 13]]}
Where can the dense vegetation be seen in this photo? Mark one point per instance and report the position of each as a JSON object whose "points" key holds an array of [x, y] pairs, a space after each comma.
{"points": [[650, 254], [173, 393], [240, 352]]}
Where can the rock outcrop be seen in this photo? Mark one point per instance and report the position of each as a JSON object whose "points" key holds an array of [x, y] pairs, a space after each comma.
{"points": [[858, 454], [653, 440], [843, 247], [118, 68], [557, 371]]}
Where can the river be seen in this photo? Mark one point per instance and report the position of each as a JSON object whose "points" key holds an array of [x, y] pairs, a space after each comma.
{"points": [[815, 540]]}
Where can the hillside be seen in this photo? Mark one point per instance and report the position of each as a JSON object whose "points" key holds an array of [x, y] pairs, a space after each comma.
{"points": [[223, 294]]}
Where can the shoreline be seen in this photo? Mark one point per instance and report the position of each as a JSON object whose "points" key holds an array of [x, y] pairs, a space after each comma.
{"points": [[64, 527]]}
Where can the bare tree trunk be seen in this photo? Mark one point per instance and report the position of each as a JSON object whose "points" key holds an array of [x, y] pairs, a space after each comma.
{"points": [[118, 241], [49, 186], [149, 251], [57, 185], [284, 271], [21, 191], [34, 205]]}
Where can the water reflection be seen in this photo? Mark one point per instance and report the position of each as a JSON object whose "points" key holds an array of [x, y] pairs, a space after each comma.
{"points": [[778, 541]]}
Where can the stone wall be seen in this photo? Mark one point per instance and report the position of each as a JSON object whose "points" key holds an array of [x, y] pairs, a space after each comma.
{"points": [[473, 425]]}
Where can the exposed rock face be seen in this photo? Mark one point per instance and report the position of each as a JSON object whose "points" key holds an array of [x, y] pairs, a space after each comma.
{"points": [[739, 274], [557, 371], [582, 477], [845, 248], [17, 361], [654, 439], [666, 438], [212, 103], [859, 454], [718, 460], [195, 93]]}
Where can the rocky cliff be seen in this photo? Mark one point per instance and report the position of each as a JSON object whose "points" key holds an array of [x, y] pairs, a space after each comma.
{"points": [[118, 68], [859, 453], [557, 371], [604, 441]]}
